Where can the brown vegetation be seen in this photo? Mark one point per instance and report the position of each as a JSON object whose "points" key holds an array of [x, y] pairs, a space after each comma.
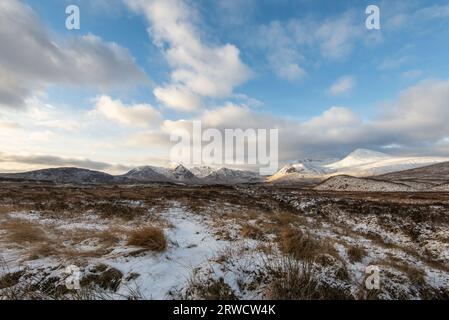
{"points": [[150, 238]]}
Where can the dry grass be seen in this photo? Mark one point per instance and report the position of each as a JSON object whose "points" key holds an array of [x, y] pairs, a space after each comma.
{"points": [[304, 246], [23, 232], [252, 232], [150, 238], [356, 254], [5, 209], [209, 289], [294, 280]]}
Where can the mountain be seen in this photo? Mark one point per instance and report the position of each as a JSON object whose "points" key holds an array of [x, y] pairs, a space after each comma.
{"points": [[364, 163], [430, 177], [67, 175], [202, 172], [146, 174], [419, 173], [294, 172], [359, 157], [176, 173], [353, 184], [230, 176], [359, 163]]}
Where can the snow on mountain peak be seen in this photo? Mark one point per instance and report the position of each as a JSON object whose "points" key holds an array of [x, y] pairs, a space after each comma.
{"points": [[367, 154], [360, 157], [202, 171]]}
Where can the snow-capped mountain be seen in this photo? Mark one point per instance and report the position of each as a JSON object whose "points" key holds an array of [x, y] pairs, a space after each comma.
{"points": [[146, 174], [202, 172], [230, 176], [359, 163], [359, 157], [363, 163], [293, 172], [174, 173]]}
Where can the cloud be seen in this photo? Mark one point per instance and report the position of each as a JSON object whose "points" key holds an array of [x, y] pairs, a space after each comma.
{"points": [[342, 86], [290, 45], [404, 15], [282, 55], [149, 139], [39, 160], [393, 63], [200, 69], [420, 114], [434, 12], [178, 98], [9, 125], [415, 122], [139, 115], [31, 60], [411, 74], [337, 36]]}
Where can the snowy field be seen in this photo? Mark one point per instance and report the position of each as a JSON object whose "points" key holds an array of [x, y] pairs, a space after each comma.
{"points": [[240, 242]]}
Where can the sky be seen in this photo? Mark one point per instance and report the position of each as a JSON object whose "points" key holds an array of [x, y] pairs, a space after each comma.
{"points": [[108, 96]]}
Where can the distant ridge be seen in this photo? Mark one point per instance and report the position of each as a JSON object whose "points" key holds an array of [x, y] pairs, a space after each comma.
{"points": [[416, 172], [359, 163], [433, 178], [67, 175]]}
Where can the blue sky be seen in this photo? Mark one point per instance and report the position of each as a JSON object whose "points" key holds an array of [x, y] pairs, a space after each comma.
{"points": [[288, 62], [422, 47]]}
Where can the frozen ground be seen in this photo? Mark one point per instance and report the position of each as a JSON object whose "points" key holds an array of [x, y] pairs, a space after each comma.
{"points": [[244, 242]]}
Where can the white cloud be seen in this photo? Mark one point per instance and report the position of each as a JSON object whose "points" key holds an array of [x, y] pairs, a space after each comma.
{"points": [[342, 86], [337, 36], [411, 74], [416, 122], [139, 115], [290, 45], [421, 113], [283, 56], [4, 125], [30, 161], [30, 59], [178, 98], [200, 69]]}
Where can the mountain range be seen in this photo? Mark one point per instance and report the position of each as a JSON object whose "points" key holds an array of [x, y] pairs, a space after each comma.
{"points": [[359, 163]]}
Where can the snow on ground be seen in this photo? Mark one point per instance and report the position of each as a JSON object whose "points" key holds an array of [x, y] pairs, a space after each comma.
{"points": [[196, 255], [163, 274], [347, 183]]}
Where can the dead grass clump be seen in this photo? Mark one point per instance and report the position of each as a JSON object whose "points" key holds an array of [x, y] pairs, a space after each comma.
{"points": [[284, 219], [356, 254], [415, 274], [108, 237], [210, 289], [304, 246], [116, 210], [294, 280], [23, 232], [150, 238], [10, 279], [104, 277], [5, 209], [42, 251], [252, 232]]}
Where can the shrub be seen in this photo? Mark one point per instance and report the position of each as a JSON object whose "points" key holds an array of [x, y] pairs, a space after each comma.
{"points": [[356, 254], [252, 232], [150, 238], [303, 246], [294, 280]]}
